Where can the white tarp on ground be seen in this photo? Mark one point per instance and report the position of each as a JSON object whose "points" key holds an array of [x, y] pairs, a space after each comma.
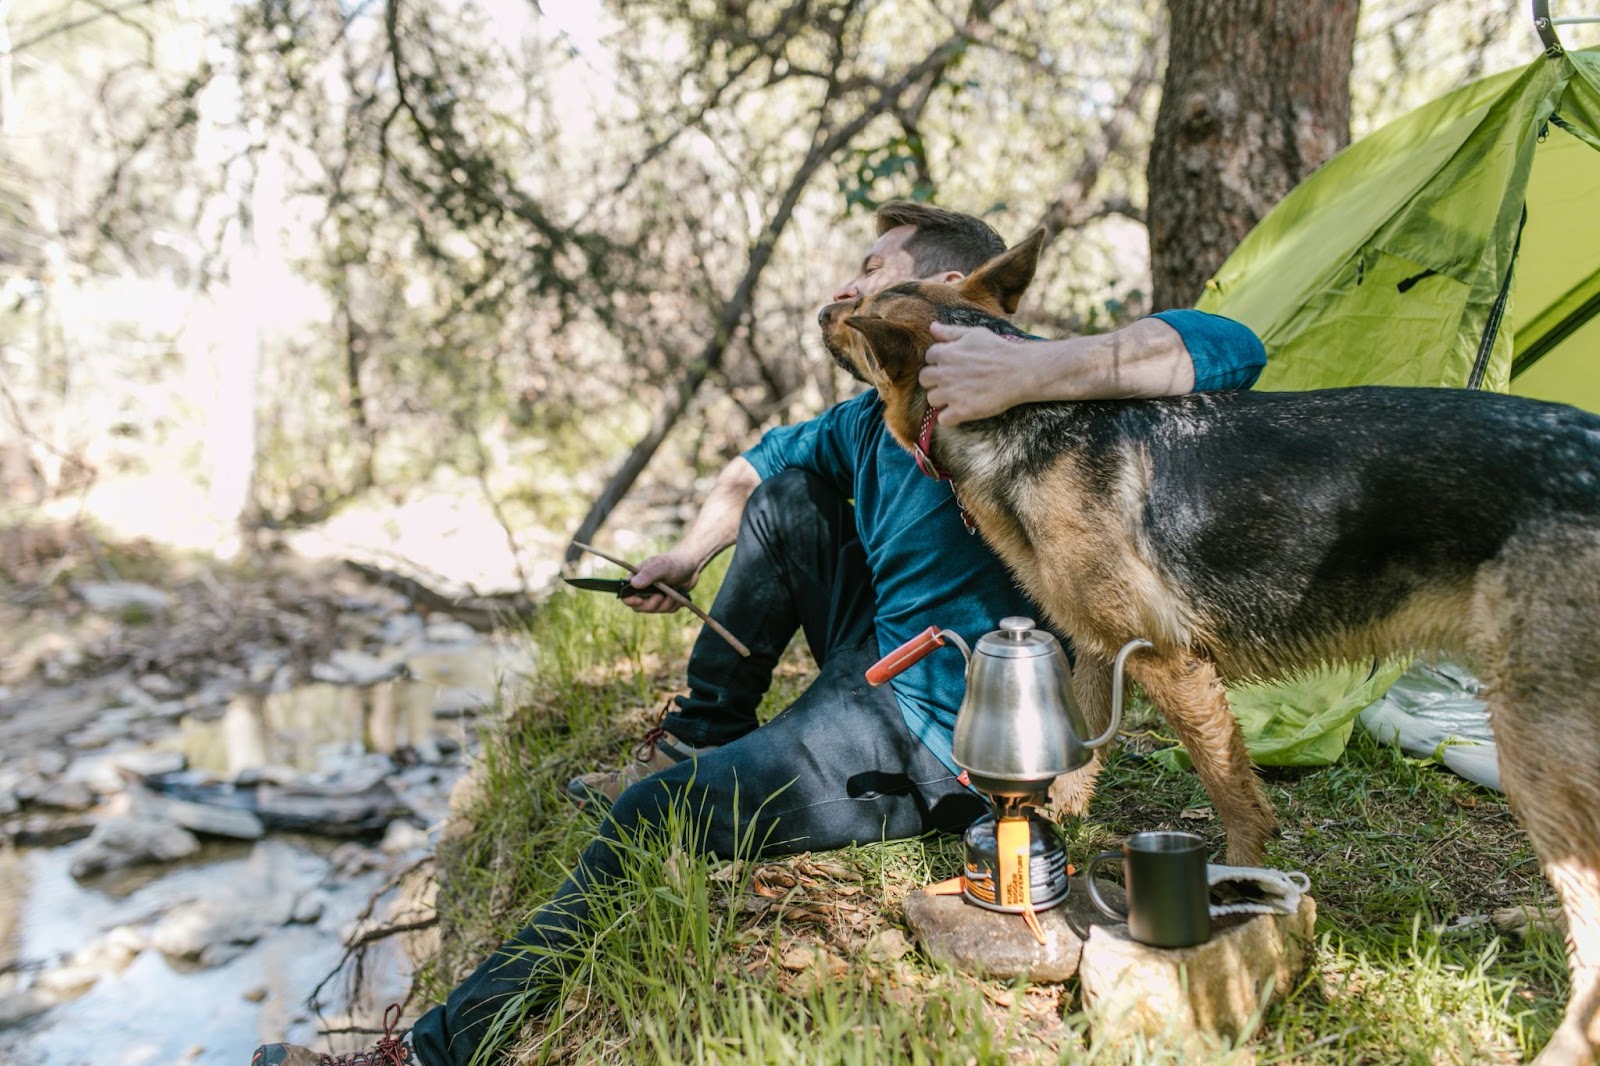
{"points": [[1434, 709]]}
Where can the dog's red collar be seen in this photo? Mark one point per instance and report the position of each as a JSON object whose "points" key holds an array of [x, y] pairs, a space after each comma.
{"points": [[922, 451]]}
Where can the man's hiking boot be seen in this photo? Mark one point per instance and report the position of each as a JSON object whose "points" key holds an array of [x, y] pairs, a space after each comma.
{"points": [[656, 752], [388, 1051]]}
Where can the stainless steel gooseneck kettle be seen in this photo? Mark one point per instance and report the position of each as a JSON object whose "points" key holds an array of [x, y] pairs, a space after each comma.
{"points": [[1018, 728]]}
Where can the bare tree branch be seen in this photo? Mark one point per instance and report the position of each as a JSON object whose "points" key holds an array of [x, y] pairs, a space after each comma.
{"points": [[824, 145], [118, 13], [1073, 207]]}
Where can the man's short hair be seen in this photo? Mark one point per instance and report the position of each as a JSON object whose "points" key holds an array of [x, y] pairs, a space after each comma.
{"points": [[945, 240]]}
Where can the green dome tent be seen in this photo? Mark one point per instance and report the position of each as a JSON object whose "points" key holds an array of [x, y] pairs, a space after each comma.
{"points": [[1457, 246]]}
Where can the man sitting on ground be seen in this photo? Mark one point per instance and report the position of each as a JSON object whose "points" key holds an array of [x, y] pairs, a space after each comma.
{"points": [[837, 534]]}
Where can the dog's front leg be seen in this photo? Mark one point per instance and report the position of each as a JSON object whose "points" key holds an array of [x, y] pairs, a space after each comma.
{"points": [[1091, 688], [1188, 693]]}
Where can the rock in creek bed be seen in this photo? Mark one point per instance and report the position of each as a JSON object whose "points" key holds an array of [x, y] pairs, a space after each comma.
{"points": [[327, 810]]}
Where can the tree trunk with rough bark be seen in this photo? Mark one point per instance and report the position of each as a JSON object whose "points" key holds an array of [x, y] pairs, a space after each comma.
{"points": [[1257, 96]]}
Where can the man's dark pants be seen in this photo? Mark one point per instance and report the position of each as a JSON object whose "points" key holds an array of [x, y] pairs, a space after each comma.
{"points": [[837, 767]]}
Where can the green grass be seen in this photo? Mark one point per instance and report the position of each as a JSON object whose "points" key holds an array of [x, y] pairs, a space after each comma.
{"points": [[807, 960]]}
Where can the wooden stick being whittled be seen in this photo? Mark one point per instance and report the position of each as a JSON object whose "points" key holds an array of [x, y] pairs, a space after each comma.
{"points": [[716, 626]]}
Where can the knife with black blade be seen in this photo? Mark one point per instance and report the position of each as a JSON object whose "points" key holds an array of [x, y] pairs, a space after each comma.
{"points": [[716, 626], [620, 587], [617, 586]]}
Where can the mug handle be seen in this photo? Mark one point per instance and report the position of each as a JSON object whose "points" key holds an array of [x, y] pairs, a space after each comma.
{"points": [[1094, 893]]}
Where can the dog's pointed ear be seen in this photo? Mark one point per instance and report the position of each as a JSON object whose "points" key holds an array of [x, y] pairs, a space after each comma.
{"points": [[1001, 281], [891, 345]]}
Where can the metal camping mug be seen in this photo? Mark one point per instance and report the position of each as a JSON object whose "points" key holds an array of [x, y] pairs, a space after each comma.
{"points": [[1169, 898]]}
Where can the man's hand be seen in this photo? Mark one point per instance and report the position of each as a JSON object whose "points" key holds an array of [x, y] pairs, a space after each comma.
{"points": [[973, 373], [671, 568]]}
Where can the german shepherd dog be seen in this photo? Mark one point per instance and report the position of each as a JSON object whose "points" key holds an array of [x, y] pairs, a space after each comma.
{"points": [[1250, 535]]}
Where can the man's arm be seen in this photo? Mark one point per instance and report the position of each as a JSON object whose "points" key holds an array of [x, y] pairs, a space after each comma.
{"points": [[972, 373], [713, 529]]}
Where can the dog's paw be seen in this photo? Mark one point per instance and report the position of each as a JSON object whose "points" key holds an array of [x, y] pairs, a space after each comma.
{"points": [[1071, 793]]}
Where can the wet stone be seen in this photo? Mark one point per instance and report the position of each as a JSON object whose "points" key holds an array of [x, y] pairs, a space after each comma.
{"points": [[67, 982], [46, 831], [308, 909], [65, 795], [402, 628], [346, 667], [460, 702], [199, 817], [20, 1007], [160, 686], [97, 772], [401, 836], [49, 761], [1214, 989], [122, 597], [991, 944], [166, 710], [450, 631], [349, 859], [271, 773], [119, 842], [150, 763], [28, 784], [214, 931]]}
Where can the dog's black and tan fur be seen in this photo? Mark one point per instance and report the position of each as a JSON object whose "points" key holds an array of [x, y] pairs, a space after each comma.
{"points": [[1249, 535]]}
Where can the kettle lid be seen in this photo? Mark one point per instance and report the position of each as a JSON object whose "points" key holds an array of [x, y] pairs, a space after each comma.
{"points": [[1018, 639]]}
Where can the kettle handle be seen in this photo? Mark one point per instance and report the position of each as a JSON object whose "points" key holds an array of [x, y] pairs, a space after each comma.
{"points": [[914, 651], [1116, 691]]}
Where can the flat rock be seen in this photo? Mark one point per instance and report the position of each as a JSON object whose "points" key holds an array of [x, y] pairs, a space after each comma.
{"points": [[119, 842], [19, 1007], [231, 822], [402, 836], [45, 830], [450, 631], [150, 763], [460, 702], [160, 686], [119, 597], [1215, 989], [49, 761], [991, 944], [214, 931], [65, 795], [308, 909], [350, 667]]}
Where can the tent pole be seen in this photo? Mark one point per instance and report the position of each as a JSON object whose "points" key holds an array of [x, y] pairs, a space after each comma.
{"points": [[1546, 28]]}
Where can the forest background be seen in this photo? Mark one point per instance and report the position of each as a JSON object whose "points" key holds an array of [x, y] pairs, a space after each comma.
{"points": [[445, 283]]}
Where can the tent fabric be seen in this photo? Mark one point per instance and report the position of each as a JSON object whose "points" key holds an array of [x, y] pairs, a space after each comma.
{"points": [[1457, 246], [1385, 265], [1305, 721]]}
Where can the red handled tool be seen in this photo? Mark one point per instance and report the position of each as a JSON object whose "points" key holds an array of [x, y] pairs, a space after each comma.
{"points": [[910, 653]]}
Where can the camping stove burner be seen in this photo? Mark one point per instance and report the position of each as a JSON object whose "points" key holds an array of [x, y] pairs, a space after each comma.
{"points": [[998, 885]]}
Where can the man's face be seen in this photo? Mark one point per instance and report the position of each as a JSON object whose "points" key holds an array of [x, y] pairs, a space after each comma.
{"points": [[887, 263]]}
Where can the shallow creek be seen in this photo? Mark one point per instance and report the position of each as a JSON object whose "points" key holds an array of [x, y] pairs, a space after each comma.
{"points": [[88, 971]]}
